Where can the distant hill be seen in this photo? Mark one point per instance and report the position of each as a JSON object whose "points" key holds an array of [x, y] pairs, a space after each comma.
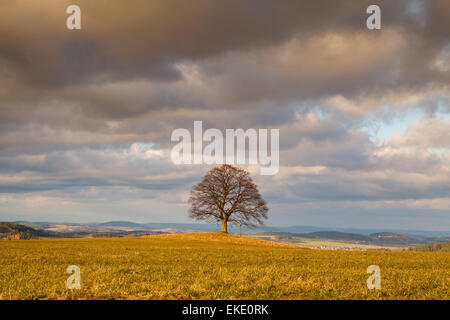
{"points": [[309, 229], [435, 247], [127, 228], [12, 231], [388, 235], [334, 235], [29, 230], [390, 238], [382, 239], [126, 224]]}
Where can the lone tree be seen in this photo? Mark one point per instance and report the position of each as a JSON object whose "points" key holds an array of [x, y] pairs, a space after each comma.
{"points": [[227, 194]]}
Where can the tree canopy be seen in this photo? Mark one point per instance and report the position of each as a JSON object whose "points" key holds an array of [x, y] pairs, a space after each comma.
{"points": [[227, 194]]}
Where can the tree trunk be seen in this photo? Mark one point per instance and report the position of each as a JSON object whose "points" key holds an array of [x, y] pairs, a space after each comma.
{"points": [[224, 226]]}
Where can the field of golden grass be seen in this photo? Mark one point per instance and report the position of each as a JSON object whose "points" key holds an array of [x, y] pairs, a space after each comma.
{"points": [[213, 266]]}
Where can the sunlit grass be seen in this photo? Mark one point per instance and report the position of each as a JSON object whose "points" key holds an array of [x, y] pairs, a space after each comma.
{"points": [[213, 266]]}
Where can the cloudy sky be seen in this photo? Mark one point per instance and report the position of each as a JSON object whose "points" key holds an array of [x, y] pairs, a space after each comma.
{"points": [[364, 115]]}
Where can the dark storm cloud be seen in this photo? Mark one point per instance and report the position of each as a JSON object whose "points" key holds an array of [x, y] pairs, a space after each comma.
{"points": [[129, 60], [76, 105], [134, 38], [144, 38]]}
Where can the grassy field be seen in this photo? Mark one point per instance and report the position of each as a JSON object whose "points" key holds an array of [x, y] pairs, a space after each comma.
{"points": [[213, 266]]}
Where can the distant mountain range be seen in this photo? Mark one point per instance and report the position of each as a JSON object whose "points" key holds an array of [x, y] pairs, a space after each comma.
{"points": [[307, 229], [124, 227], [290, 229], [383, 239], [30, 230]]}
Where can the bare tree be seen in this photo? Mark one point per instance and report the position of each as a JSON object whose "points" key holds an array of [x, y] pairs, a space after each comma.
{"points": [[227, 194]]}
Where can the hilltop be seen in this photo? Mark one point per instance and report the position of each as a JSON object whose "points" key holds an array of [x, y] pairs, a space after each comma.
{"points": [[224, 238], [12, 231]]}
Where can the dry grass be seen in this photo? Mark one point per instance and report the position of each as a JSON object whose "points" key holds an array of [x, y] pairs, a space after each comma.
{"points": [[213, 266]]}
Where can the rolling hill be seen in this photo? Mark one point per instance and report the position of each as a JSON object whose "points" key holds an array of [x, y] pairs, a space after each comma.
{"points": [[27, 231], [196, 227], [329, 239], [315, 239], [12, 231]]}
